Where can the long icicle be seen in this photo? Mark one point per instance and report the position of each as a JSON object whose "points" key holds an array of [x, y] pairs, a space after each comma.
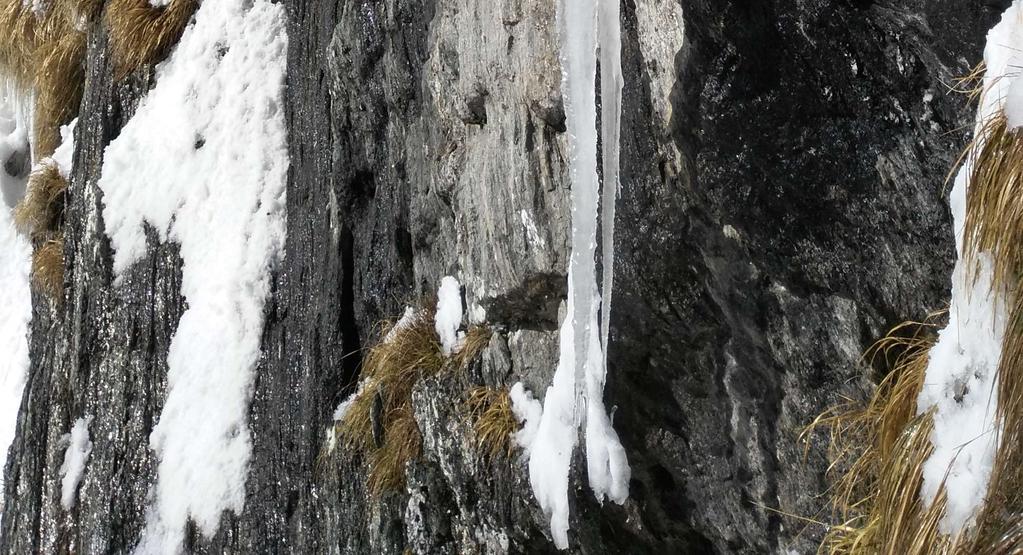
{"points": [[577, 389], [607, 467]]}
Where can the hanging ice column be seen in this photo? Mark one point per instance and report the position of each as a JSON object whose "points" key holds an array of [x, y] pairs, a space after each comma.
{"points": [[576, 396]]}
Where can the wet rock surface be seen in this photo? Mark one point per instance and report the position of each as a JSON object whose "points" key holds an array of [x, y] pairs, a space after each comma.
{"points": [[782, 205]]}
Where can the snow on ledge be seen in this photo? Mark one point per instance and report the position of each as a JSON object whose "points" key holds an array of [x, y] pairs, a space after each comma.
{"points": [[204, 162], [449, 315]]}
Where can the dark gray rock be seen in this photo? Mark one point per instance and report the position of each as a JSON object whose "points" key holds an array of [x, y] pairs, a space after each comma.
{"points": [[782, 205]]}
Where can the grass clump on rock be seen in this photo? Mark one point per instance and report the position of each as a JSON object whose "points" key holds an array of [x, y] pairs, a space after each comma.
{"points": [[380, 421], [494, 422], [882, 448]]}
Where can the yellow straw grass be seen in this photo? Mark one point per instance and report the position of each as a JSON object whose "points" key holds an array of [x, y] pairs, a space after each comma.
{"points": [[390, 372], [885, 444], [494, 422], [141, 34]]}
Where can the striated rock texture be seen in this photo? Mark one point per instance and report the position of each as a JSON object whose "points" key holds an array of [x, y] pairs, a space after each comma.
{"points": [[782, 205]]}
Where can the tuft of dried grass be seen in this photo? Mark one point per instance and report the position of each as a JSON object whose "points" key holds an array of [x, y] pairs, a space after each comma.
{"points": [[391, 370], [476, 339], [59, 82], [40, 209], [141, 34], [885, 445], [48, 267], [994, 215], [17, 43], [380, 421], [494, 422], [27, 35], [402, 443]]}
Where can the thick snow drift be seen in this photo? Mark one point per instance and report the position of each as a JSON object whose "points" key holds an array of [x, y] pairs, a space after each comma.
{"points": [[204, 162]]}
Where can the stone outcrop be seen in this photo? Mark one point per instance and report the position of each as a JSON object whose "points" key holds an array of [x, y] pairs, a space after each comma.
{"points": [[782, 205]]}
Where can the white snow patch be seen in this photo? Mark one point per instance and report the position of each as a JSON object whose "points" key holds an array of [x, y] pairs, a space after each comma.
{"points": [[64, 154], [406, 320], [38, 7], [204, 162], [961, 382], [344, 406], [15, 153], [16, 300], [576, 392], [79, 447], [449, 315], [527, 411]]}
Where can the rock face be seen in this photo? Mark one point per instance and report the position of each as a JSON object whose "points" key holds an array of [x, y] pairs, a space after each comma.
{"points": [[782, 206]]}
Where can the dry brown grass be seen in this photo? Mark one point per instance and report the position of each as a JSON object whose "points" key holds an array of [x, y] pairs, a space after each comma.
{"points": [[28, 37], [40, 210], [18, 41], [59, 82], [994, 224], [971, 84], [48, 267], [994, 213], [390, 371], [402, 443], [882, 447], [476, 339], [879, 496], [141, 34], [494, 422]]}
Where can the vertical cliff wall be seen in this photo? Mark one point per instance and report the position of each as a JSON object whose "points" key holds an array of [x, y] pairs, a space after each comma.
{"points": [[782, 205]]}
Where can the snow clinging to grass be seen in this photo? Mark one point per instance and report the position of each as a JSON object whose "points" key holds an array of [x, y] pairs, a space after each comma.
{"points": [[961, 383], [575, 398], [204, 162], [64, 154], [79, 447]]}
